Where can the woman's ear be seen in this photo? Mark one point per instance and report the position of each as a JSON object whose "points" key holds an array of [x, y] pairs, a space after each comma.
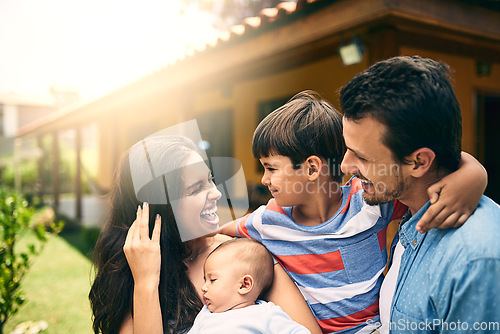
{"points": [[421, 161], [246, 284], [313, 164]]}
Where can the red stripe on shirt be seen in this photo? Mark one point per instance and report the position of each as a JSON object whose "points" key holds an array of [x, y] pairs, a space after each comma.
{"points": [[399, 210], [355, 319], [312, 263], [356, 186], [241, 228], [271, 205], [382, 238]]}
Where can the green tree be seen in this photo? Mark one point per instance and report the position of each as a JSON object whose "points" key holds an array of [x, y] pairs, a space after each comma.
{"points": [[15, 216]]}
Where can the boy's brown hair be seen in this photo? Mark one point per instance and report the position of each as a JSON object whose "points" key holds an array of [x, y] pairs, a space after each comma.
{"points": [[306, 125]]}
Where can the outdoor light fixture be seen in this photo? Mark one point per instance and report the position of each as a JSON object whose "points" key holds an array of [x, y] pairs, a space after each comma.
{"points": [[483, 68], [352, 53]]}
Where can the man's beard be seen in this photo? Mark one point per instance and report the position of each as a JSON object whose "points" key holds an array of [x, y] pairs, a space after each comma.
{"points": [[387, 195]]}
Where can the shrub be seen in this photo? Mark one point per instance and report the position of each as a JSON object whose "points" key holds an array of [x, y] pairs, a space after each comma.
{"points": [[15, 216]]}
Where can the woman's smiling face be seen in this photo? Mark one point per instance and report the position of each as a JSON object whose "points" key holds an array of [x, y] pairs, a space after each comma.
{"points": [[195, 211]]}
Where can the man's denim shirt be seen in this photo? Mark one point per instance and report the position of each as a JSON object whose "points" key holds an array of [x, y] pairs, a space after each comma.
{"points": [[449, 280]]}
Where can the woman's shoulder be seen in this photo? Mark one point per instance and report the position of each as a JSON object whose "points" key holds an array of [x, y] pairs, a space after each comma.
{"points": [[220, 238]]}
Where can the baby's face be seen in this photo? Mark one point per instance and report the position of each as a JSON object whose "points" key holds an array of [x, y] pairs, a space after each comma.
{"points": [[222, 281]]}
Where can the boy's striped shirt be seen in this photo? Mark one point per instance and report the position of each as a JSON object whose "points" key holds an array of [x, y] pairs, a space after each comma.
{"points": [[338, 265]]}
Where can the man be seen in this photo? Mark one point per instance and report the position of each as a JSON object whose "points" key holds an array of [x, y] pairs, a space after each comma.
{"points": [[402, 128]]}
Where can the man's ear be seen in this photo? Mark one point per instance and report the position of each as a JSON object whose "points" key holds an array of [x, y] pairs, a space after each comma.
{"points": [[313, 165], [246, 284], [421, 161]]}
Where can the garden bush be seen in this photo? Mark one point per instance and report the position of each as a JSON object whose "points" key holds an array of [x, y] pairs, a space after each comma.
{"points": [[15, 217]]}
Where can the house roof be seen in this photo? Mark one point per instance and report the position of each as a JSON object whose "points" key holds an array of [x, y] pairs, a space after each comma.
{"points": [[289, 34], [287, 11], [27, 100]]}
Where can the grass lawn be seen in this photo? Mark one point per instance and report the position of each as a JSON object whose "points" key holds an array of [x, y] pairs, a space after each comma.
{"points": [[56, 289]]}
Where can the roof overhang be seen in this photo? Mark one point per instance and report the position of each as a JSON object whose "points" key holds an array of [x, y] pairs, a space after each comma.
{"points": [[308, 33]]}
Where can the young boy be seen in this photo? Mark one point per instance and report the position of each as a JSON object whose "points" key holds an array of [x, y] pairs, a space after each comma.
{"points": [[329, 240], [236, 273]]}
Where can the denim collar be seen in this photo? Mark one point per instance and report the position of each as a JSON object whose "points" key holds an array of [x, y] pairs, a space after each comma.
{"points": [[408, 235]]}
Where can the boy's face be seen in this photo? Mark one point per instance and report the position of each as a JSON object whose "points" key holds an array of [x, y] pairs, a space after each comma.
{"points": [[371, 160], [287, 185], [222, 281]]}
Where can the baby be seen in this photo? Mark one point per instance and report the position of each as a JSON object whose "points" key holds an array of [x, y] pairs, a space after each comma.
{"points": [[236, 273]]}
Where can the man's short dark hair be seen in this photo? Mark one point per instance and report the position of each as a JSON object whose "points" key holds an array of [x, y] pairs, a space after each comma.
{"points": [[413, 97], [306, 125]]}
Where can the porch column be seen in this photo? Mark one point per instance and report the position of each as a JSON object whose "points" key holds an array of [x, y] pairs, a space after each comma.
{"points": [[41, 159], [55, 169], [384, 44], [78, 177]]}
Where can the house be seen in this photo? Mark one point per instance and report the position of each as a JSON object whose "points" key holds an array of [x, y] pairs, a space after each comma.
{"points": [[256, 66], [17, 111]]}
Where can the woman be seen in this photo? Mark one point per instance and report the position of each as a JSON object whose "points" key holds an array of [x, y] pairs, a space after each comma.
{"points": [[162, 291]]}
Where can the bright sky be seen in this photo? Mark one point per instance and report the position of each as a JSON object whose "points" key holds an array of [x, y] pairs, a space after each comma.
{"points": [[93, 45]]}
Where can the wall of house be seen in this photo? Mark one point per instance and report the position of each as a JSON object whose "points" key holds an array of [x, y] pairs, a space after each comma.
{"points": [[122, 127], [325, 76], [126, 126]]}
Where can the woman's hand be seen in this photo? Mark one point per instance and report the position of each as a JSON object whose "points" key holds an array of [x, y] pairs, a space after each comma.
{"points": [[144, 258], [142, 253]]}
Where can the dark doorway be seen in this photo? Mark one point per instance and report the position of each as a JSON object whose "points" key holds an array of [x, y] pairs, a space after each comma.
{"points": [[264, 109], [216, 128], [488, 140]]}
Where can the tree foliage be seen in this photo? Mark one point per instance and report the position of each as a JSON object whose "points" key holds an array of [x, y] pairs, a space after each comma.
{"points": [[15, 216]]}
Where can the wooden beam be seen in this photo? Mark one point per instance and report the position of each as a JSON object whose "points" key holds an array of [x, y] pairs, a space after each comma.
{"points": [[442, 40], [383, 43], [78, 176], [55, 169], [41, 169]]}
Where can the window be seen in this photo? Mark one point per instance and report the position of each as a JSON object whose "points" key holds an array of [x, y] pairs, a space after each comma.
{"points": [[488, 140], [1, 120], [216, 129], [265, 108]]}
